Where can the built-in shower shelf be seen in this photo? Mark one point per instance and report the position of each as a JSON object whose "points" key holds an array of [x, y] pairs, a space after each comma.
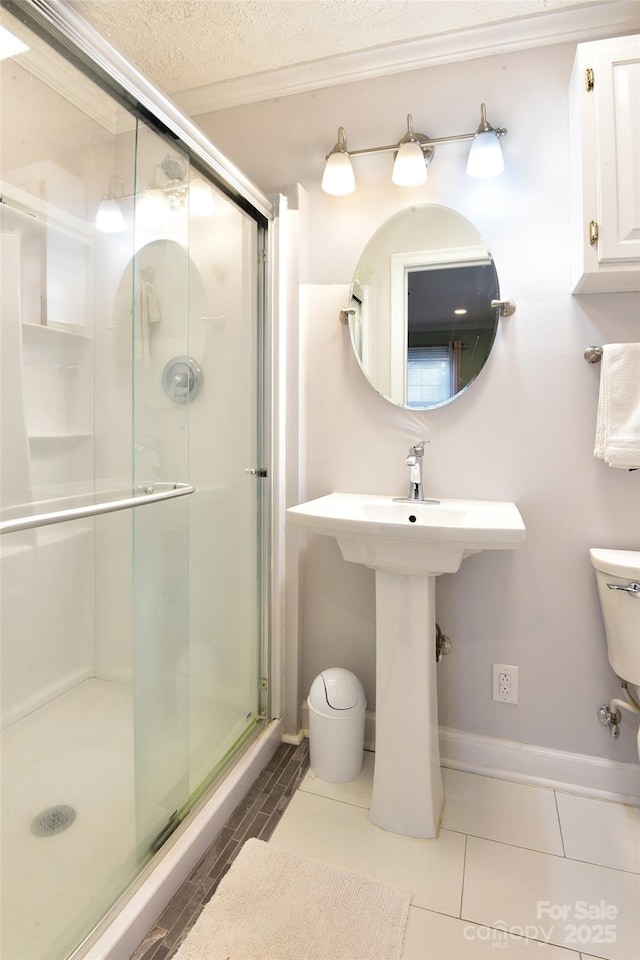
{"points": [[40, 209], [55, 329]]}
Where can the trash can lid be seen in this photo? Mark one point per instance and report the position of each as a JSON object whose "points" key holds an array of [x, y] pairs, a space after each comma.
{"points": [[338, 688]]}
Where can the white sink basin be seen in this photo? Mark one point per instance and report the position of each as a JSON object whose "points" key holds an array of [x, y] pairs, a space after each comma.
{"points": [[411, 537], [408, 543]]}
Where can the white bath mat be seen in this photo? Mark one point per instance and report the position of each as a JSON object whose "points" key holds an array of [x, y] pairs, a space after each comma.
{"points": [[275, 905]]}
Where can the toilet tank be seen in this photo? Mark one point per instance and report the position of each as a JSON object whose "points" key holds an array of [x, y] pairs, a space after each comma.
{"points": [[620, 610]]}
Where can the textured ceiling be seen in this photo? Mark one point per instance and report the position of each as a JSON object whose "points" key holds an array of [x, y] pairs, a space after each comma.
{"points": [[182, 44]]}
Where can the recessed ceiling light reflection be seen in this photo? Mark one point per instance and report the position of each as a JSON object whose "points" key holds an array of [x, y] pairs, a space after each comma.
{"points": [[460, 312]]}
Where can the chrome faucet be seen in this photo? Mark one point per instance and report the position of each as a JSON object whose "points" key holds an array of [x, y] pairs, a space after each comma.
{"points": [[414, 462]]}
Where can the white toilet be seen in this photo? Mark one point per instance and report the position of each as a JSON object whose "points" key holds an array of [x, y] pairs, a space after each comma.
{"points": [[618, 579]]}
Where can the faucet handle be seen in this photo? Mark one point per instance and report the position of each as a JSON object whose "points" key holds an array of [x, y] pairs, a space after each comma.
{"points": [[418, 449]]}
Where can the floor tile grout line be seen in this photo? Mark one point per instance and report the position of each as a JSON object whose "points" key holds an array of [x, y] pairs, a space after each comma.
{"points": [[604, 866], [477, 836], [564, 849], [558, 856], [488, 926], [348, 803], [464, 871], [509, 843]]}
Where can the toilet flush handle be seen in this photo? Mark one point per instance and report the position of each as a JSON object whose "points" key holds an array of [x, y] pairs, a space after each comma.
{"points": [[633, 588]]}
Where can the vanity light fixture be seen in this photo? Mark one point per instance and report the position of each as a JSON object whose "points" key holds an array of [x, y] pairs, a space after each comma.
{"points": [[485, 156], [109, 217], [413, 154], [154, 206], [201, 202], [338, 178], [159, 198], [410, 165]]}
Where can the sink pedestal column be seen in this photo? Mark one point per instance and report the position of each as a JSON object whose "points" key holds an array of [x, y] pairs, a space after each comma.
{"points": [[407, 782]]}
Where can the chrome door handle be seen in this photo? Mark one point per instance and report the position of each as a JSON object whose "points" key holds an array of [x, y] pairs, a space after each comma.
{"points": [[139, 496], [633, 588]]}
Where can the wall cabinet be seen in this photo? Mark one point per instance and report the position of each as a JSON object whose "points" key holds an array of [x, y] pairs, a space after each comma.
{"points": [[605, 166]]}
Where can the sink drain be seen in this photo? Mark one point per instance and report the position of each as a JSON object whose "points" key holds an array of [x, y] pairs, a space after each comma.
{"points": [[52, 821]]}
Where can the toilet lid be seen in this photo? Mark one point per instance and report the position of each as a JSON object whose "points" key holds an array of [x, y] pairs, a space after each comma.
{"points": [[618, 563]]}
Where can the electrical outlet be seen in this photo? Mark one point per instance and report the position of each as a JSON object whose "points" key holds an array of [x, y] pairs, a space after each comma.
{"points": [[504, 687]]}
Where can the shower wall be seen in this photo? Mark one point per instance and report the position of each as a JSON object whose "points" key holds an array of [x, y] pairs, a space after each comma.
{"points": [[132, 642]]}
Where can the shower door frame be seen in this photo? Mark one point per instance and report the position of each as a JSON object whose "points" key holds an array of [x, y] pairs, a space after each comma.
{"points": [[277, 326], [65, 31]]}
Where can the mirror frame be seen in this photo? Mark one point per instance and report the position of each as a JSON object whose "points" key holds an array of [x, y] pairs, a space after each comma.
{"points": [[397, 265]]}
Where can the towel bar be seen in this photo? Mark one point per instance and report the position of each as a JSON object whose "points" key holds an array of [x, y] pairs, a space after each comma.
{"points": [[593, 354], [144, 493]]}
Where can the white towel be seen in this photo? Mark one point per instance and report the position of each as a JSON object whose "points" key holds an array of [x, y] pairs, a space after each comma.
{"points": [[618, 419], [147, 314]]}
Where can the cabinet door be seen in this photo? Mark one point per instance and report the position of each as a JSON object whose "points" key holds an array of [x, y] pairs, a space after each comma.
{"points": [[617, 100]]}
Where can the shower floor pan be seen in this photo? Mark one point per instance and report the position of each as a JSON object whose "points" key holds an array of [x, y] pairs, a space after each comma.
{"points": [[68, 815], [75, 752]]}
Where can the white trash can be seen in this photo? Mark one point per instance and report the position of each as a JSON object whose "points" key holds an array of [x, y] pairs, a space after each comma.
{"points": [[337, 706]]}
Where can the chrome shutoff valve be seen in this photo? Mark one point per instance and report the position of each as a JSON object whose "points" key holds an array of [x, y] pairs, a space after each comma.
{"points": [[443, 644], [610, 718]]}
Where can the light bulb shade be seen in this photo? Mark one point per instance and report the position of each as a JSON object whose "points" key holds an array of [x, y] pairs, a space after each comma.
{"points": [[10, 46], [485, 156], [109, 217], [409, 169], [152, 209], [338, 178], [201, 202]]}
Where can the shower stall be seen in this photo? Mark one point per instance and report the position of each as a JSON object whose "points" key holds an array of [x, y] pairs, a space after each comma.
{"points": [[134, 495]]}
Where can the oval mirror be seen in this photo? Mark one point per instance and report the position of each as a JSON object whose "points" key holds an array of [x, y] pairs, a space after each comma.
{"points": [[420, 316]]}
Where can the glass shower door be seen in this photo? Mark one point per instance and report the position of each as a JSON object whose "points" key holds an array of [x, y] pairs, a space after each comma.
{"points": [[130, 353], [197, 567], [158, 282], [226, 452]]}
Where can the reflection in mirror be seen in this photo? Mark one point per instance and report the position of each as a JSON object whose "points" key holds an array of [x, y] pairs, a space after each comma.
{"points": [[421, 319]]}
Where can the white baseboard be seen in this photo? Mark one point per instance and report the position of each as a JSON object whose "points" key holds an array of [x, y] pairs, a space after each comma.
{"points": [[525, 763], [509, 760], [295, 739]]}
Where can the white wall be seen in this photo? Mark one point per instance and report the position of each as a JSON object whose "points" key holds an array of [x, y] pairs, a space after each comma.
{"points": [[524, 431]]}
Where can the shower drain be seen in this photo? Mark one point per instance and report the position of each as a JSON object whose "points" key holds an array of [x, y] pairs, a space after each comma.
{"points": [[52, 821]]}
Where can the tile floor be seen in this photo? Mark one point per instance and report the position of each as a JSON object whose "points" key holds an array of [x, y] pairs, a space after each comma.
{"points": [[562, 872]]}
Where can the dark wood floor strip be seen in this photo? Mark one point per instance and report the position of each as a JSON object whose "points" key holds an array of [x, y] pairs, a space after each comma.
{"points": [[257, 815]]}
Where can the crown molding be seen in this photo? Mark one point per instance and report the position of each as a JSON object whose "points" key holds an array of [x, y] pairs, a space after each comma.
{"points": [[573, 24]]}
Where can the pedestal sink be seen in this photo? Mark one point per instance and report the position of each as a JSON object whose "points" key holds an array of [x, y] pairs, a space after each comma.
{"points": [[408, 544]]}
